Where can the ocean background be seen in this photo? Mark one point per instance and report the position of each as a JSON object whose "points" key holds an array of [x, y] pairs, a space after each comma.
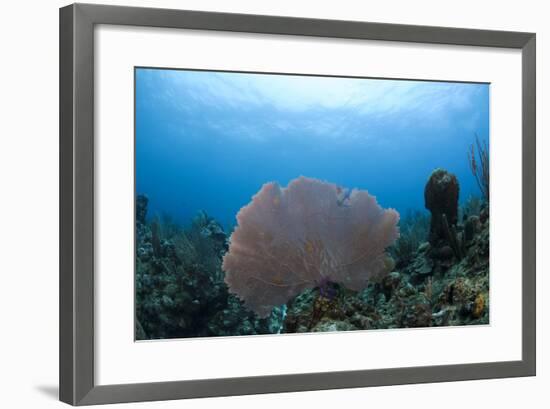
{"points": [[207, 141]]}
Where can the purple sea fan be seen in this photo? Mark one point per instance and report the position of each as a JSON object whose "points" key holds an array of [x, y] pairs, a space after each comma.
{"points": [[291, 239]]}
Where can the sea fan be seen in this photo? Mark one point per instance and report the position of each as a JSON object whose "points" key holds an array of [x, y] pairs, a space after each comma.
{"points": [[310, 233]]}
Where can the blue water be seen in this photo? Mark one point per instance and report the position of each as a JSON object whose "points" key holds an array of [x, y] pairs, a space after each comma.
{"points": [[209, 140]]}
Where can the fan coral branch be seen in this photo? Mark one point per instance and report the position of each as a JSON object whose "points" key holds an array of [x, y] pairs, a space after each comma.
{"points": [[480, 170], [300, 237]]}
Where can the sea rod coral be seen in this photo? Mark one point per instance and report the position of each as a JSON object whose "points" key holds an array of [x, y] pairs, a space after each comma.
{"points": [[305, 236]]}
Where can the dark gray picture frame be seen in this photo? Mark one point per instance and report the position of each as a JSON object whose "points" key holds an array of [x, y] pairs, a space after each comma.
{"points": [[77, 384]]}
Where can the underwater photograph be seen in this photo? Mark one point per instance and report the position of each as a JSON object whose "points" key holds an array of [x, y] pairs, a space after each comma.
{"points": [[271, 203]]}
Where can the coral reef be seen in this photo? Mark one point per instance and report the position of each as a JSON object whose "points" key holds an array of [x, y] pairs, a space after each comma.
{"points": [[305, 236], [190, 280], [413, 230], [432, 290], [141, 208], [180, 288], [442, 275]]}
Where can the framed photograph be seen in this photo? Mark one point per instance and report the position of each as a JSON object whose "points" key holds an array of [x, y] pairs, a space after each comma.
{"points": [[258, 204]]}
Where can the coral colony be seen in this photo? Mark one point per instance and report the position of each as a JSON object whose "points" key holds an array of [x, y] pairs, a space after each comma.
{"points": [[280, 253], [300, 260], [298, 238]]}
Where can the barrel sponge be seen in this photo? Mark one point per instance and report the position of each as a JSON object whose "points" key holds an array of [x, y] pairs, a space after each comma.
{"points": [[299, 237]]}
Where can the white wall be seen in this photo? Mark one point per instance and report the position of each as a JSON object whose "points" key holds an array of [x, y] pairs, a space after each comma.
{"points": [[29, 200]]}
